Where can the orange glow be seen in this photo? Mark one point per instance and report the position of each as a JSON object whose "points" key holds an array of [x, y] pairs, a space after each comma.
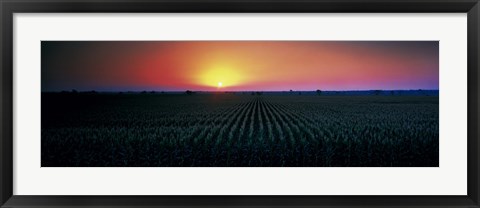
{"points": [[241, 65], [220, 75]]}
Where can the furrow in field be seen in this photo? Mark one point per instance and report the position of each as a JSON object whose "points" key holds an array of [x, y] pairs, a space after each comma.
{"points": [[219, 126], [212, 127], [228, 127], [290, 139], [307, 114], [304, 129], [313, 124], [233, 131], [189, 131], [240, 134], [245, 132], [200, 121], [179, 116], [261, 121], [268, 123], [241, 122], [200, 128], [295, 134], [251, 130], [279, 134]]}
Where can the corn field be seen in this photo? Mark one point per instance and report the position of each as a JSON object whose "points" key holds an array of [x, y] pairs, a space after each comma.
{"points": [[238, 130]]}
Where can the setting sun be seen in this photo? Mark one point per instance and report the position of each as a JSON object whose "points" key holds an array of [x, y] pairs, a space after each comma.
{"points": [[240, 65], [228, 75]]}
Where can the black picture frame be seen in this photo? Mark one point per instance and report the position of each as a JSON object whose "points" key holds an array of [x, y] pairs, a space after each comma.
{"points": [[9, 7]]}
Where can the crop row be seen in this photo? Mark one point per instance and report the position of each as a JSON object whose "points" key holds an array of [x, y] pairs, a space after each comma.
{"points": [[239, 130]]}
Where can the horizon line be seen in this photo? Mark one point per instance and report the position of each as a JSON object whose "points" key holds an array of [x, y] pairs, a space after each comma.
{"points": [[71, 90]]}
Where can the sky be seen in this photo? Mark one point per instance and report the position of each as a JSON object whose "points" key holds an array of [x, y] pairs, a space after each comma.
{"points": [[239, 65]]}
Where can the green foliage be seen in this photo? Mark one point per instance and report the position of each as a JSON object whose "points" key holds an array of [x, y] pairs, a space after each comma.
{"points": [[227, 130]]}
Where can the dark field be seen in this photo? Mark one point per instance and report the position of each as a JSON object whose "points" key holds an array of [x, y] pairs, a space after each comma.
{"points": [[227, 130]]}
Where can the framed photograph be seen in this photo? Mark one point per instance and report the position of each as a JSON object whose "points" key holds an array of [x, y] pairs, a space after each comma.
{"points": [[265, 103]]}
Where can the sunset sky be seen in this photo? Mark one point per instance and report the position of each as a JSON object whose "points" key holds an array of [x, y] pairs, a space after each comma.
{"points": [[239, 65]]}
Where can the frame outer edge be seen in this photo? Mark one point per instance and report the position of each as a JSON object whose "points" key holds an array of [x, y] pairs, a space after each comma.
{"points": [[2, 169], [6, 92], [474, 91], [473, 108], [477, 145], [6, 106]]}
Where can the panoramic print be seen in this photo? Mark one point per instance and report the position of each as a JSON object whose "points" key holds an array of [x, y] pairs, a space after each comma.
{"points": [[239, 103]]}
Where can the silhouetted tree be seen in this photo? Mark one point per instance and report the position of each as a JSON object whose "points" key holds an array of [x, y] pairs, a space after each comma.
{"points": [[319, 92], [188, 92]]}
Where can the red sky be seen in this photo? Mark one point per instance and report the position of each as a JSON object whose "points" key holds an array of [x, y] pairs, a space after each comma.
{"points": [[239, 65]]}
